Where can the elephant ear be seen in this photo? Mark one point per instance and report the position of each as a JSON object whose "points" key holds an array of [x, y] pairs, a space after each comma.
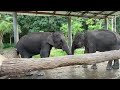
{"points": [[50, 40]]}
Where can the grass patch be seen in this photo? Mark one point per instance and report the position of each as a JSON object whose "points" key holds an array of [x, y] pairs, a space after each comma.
{"points": [[79, 51], [59, 52]]}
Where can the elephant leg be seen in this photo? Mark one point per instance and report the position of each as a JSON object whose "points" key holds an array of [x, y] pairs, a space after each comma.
{"points": [[94, 66], [25, 54], [109, 65], [92, 49], [45, 51], [116, 61], [116, 64], [86, 51]]}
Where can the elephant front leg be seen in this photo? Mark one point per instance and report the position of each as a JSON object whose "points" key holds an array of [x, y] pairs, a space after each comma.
{"points": [[116, 64], [86, 51], [45, 52], [92, 49], [109, 65]]}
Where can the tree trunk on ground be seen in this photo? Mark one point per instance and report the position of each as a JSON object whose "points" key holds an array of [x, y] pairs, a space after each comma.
{"points": [[16, 66]]}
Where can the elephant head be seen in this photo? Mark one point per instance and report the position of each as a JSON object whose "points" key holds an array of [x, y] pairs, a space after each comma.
{"points": [[78, 42], [57, 40]]}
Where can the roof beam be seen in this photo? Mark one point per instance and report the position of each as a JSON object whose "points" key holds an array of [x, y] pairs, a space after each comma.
{"points": [[54, 12], [79, 12], [60, 14], [83, 13], [98, 13], [110, 13], [68, 13]]}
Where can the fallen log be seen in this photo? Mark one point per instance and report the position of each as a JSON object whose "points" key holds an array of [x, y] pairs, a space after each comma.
{"points": [[15, 66]]}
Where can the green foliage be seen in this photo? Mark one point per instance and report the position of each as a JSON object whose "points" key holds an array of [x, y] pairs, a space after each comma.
{"points": [[6, 24], [93, 26], [7, 45], [40, 23], [76, 26]]}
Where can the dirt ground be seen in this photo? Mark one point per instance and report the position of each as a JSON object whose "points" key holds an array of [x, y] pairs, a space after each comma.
{"points": [[72, 72]]}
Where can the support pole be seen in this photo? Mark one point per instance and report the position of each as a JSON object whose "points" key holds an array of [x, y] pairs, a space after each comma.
{"points": [[115, 23], [106, 24], [112, 24], [69, 33], [16, 35]]}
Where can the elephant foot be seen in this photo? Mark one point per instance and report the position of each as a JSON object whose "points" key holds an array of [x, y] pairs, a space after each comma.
{"points": [[94, 67], [115, 66], [84, 66], [109, 68]]}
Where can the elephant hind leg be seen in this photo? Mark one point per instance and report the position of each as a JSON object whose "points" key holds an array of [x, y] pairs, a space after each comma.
{"points": [[25, 54], [116, 61], [109, 65], [116, 64]]}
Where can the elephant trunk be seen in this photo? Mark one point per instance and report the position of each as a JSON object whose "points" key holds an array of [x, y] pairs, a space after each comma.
{"points": [[73, 49], [66, 49]]}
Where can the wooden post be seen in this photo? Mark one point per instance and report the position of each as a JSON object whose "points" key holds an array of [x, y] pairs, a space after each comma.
{"points": [[115, 23], [69, 32], [106, 23], [112, 24], [16, 35]]}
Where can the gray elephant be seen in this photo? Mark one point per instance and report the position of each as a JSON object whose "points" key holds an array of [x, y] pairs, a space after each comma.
{"points": [[41, 43], [98, 40]]}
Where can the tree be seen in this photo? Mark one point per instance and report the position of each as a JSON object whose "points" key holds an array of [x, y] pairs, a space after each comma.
{"points": [[6, 26], [76, 26], [40, 23]]}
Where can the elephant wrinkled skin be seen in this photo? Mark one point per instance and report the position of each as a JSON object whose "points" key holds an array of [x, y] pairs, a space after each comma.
{"points": [[98, 40], [41, 43]]}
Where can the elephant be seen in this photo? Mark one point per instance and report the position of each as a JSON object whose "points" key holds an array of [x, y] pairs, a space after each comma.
{"points": [[41, 43], [98, 40]]}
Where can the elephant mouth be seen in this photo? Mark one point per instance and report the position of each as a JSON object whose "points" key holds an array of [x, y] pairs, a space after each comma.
{"points": [[58, 47]]}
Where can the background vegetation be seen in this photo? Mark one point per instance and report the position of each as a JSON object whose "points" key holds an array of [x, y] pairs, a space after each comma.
{"points": [[27, 24]]}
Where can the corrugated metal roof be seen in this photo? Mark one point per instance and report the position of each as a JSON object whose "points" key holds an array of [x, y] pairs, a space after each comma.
{"points": [[86, 14]]}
